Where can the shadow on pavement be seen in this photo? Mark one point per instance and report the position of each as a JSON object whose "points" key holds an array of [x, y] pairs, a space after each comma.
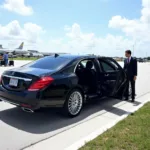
{"points": [[50, 120]]}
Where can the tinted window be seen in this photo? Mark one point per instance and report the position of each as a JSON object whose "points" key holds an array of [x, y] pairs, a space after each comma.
{"points": [[69, 70], [84, 62], [107, 67], [114, 64], [49, 62]]}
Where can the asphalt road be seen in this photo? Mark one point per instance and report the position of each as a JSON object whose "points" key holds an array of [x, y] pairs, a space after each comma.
{"points": [[19, 129]]}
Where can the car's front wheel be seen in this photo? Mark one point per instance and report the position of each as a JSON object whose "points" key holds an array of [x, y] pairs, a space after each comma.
{"points": [[74, 103]]}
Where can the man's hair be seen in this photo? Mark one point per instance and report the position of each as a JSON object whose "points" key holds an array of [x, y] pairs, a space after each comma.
{"points": [[128, 52]]}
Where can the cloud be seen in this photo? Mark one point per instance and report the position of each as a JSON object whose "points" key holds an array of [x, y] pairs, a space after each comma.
{"points": [[136, 36], [18, 6], [13, 31], [138, 29], [77, 42], [136, 32]]}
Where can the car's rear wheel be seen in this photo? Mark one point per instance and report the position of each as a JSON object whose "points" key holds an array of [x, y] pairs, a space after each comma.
{"points": [[74, 103]]}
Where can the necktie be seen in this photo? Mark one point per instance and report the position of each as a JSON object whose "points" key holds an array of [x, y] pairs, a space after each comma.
{"points": [[128, 60]]}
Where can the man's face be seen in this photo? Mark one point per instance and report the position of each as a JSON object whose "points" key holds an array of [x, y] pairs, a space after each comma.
{"points": [[127, 55]]}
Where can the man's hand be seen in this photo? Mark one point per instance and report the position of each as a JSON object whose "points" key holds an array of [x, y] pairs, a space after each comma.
{"points": [[134, 78]]}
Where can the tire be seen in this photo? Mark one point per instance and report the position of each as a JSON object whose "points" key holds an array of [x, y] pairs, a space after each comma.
{"points": [[73, 104]]}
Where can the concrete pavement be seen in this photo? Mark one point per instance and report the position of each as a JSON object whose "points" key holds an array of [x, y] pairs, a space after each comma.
{"points": [[19, 130]]}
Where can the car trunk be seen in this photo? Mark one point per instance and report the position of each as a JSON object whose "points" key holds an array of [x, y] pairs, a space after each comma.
{"points": [[20, 80]]}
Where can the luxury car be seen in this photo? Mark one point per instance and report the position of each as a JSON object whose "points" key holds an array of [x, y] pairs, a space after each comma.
{"points": [[66, 81]]}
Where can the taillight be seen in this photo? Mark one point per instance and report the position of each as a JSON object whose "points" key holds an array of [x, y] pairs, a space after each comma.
{"points": [[41, 83]]}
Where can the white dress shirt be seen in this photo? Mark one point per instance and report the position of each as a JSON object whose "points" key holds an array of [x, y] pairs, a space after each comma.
{"points": [[129, 58]]}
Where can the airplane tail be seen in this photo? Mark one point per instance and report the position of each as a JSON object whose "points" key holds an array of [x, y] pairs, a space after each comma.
{"points": [[1, 46], [21, 46]]}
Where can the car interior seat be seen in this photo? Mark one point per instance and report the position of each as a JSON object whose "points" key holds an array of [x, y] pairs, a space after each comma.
{"points": [[90, 76]]}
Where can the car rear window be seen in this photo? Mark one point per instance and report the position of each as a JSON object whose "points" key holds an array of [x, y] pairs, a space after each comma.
{"points": [[49, 62]]}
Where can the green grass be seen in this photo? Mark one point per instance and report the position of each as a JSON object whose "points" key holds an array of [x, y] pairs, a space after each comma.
{"points": [[24, 58], [133, 133]]}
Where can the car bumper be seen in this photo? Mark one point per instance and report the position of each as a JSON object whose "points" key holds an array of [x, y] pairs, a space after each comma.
{"points": [[28, 99], [20, 99]]}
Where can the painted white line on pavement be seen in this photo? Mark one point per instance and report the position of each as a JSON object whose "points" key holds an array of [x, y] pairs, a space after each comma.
{"points": [[98, 132]]}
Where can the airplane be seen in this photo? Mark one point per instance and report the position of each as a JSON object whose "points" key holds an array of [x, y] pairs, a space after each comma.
{"points": [[2, 50], [16, 51]]}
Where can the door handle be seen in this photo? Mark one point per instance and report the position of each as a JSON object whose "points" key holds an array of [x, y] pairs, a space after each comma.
{"points": [[106, 75]]}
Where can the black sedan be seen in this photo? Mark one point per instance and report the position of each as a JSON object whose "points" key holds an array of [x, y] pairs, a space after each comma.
{"points": [[66, 81]]}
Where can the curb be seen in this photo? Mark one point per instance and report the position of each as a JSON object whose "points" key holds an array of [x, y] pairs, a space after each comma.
{"points": [[96, 133]]}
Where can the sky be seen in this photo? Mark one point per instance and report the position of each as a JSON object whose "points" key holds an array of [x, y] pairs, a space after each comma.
{"points": [[102, 27]]}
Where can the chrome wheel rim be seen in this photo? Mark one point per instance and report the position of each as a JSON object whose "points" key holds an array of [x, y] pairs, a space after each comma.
{"points": [[75, 103]]}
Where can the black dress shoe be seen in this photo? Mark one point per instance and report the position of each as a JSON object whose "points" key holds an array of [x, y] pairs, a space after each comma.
{"points": [[133, 100]]}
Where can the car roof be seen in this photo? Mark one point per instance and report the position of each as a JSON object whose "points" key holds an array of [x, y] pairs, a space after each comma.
{"points": [[74, 57]]}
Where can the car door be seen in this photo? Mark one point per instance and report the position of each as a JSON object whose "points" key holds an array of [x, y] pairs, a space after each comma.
{"points": [[112, 77]]}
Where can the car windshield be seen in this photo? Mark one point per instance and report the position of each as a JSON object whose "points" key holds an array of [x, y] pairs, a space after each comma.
{"points": [[50, 62]]}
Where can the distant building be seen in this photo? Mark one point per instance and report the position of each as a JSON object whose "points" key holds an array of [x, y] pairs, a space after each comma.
{"points": [[118, 58]]}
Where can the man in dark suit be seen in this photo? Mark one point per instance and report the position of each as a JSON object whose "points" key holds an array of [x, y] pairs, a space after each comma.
{"points": [[130, 67]]}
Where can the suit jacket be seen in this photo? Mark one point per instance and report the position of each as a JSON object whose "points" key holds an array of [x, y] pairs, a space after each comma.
{"points": [[130, 68]]}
